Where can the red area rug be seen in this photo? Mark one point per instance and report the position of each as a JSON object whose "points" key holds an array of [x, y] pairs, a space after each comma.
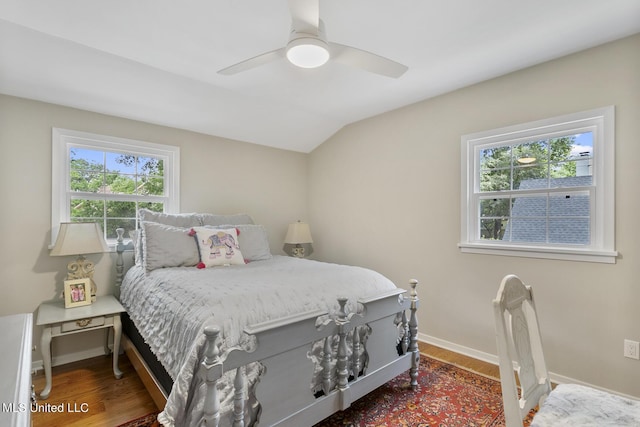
{"points": [[149, 420], [447, 396]]}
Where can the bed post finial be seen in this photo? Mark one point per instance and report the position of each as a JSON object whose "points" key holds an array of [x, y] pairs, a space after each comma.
{"points": [[120, 248], [212, 371], [119, 260], [413, 334]]}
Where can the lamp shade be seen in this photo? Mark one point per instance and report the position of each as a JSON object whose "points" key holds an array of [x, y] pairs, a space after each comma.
{"points": [[298, 233], [75, 238]]}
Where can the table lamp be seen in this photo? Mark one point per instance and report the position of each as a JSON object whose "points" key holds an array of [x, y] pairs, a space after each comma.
{"points": [[79, 238], [298, 234]]}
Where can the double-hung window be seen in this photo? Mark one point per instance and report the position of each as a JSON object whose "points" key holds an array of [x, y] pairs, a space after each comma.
{"points": [[104, 179], [543, 189]]}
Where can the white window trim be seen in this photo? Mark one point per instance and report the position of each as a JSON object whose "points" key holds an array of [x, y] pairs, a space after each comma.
{"points": [[63, 139], [602, 249]]}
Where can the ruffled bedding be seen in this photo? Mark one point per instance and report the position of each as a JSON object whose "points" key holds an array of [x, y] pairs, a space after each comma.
{"points": [[171, 306]]}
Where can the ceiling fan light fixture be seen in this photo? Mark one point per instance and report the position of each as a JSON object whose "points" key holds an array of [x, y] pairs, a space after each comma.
{"points": [[526, 160], [308, 52]]}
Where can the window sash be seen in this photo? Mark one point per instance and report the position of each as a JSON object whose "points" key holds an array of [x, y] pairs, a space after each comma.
{"points": [[548, 217], [63, 140]]}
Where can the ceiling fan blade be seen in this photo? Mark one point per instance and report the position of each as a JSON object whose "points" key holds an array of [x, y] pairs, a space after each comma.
{"points": [[359, 58], [254, 62], [305, 15]]}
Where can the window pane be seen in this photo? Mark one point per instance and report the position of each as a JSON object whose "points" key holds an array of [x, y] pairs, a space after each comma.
{"points": [[121, 163], [494, 207], [574, 168], [129, 224], [152, 206], [575, 204], [150, 166], [533, 230], [84, 159], [561, 148], [106, 182], [87, 210], [495, 180], [528, 177], [118, 209], [92, 182], [530, 153], [496, 157], [572, 231], [530, 206], [151, 186], [120, 215], [493, 229], [121, 184]]}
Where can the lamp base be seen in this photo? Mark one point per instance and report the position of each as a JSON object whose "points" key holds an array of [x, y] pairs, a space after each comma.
{"points": [[298, 251], [82, 269]]}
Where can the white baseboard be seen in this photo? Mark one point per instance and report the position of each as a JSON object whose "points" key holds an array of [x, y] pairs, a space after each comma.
{"points": [[460, 349], [493, 359]]}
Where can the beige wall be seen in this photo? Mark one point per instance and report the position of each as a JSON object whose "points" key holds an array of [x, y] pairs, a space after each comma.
{"points": [[217, 175], [385, 193], [382, 193]]}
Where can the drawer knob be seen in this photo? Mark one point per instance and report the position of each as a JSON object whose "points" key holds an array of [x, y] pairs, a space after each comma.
{"points": [[84, 322]]}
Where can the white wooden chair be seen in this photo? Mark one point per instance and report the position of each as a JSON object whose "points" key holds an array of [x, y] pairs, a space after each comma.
{"points": [[518, 338]]}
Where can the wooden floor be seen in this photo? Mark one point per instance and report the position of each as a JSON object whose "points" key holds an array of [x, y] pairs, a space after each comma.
{"points": [[91, 396], [484, 368], [89, 388]]}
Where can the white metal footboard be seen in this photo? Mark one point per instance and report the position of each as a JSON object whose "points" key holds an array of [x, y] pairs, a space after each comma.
{"points": [[369, 352]]}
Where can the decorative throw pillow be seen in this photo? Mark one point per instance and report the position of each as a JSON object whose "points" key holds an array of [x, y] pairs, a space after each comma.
{"points": [[218, 246], [253, 241], [167, 246]]}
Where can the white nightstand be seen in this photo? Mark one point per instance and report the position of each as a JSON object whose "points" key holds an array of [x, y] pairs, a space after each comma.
{"points": [[59, 321]]}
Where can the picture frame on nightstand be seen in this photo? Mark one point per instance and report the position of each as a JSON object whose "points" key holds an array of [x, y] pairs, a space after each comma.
{"points": [[77, 292]]}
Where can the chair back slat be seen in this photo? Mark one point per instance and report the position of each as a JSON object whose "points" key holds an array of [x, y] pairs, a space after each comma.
{"points": [[518, 339]]}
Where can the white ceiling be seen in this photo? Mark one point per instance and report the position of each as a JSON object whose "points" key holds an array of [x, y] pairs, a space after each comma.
{"points": [[156, 60]]}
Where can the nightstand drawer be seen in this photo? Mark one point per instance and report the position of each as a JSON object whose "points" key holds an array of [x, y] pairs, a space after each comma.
{"points": [[91, 322]]}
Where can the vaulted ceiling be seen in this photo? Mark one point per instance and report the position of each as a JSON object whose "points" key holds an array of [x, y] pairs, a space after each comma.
{"points": [[157, 60]]}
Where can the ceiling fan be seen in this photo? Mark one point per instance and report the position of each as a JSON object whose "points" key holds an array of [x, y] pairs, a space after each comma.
{"points": [[308, 47]]}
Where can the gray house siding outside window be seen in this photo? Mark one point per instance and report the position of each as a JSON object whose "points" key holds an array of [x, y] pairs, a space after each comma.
{"points": [[554, 219]]}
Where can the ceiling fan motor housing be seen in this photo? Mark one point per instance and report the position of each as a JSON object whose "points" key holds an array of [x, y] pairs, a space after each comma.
{"points": [[308, 50]]}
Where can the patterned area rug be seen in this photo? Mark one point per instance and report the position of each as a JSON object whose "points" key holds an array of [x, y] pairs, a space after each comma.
{"points": [[447, 396], [149, 420]]}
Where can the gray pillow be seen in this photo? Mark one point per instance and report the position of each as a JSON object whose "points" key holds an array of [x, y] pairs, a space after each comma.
{"points": [[177, 220], [167, 246], [216, 220]]}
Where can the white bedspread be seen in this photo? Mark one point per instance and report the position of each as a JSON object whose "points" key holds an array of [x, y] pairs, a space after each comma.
{"points": [[171, 306]]}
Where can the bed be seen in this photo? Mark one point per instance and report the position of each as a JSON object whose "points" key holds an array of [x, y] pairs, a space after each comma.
{"points": [[259, 339]]}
